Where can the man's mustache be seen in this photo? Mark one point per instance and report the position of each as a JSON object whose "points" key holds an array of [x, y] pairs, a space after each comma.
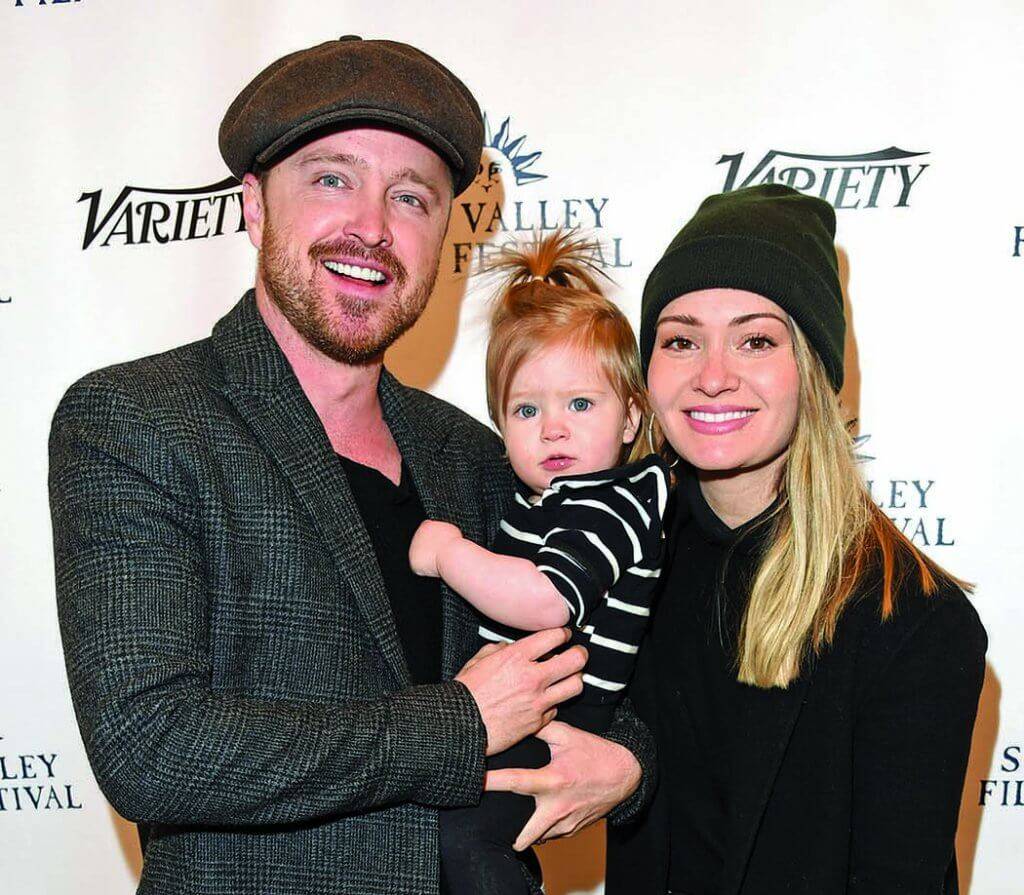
{"points": [[379, 257]]}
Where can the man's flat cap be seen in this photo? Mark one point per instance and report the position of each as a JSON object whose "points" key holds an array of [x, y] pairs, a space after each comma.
{"points": [[345, 83]]}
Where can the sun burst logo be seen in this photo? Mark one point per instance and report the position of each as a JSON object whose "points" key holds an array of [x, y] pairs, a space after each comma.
{"points": [[858, 442], [514, 150]]}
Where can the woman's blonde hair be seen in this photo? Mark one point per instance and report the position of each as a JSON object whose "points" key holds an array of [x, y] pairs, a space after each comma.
{"points": [[828, 540], [549, 292]]}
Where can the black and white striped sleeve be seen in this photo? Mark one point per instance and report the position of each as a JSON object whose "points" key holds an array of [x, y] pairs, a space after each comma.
{"points": [[602, 532]]}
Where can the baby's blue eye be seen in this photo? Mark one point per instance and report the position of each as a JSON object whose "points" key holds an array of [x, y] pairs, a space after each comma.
{"points": [[525, 411], [581, 404]]}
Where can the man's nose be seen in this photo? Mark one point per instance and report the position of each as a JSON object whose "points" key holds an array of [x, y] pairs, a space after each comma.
{"points": [[368, 221], [716, 373]]}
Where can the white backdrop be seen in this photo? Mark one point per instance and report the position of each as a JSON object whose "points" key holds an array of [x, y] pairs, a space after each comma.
{"points": [[618, 117]]}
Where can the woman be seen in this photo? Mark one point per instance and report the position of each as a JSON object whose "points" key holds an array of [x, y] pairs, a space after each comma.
{"points": [[811, 677]]}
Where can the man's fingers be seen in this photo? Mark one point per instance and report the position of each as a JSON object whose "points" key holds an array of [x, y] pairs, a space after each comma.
{"points": [[565, 689], [553, 733], [504, 780], [566, 827], [564, 664], [488, 650], [525, 781], [535, 828], [542, 642], [483, 653]]}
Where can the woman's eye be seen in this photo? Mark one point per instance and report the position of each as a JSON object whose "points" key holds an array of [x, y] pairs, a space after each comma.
{"points": [[677, 343], [329, 180], [759, 343], [581, 404], [525, 411]]}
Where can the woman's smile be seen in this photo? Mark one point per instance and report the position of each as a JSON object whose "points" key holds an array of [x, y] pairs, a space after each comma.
{"points": [[718, 419]]}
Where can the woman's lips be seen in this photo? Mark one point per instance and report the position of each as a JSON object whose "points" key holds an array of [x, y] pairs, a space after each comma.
{"points": [[718, 420], [557, 463]]}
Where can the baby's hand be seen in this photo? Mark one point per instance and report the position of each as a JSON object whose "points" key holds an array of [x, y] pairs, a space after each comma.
{"points": [[430, 538]]}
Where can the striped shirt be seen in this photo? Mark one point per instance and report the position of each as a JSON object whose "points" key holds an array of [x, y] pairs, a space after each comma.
{"points": [[599, 539]]}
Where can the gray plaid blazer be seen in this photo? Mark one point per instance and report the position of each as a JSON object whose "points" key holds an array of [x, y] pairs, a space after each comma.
{"points": [[234, 665]]}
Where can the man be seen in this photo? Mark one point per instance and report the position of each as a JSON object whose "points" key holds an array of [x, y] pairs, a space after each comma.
{"points": [[260, 681]]}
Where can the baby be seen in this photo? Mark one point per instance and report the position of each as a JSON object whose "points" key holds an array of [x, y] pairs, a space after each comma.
{"points": [[582, 544]]}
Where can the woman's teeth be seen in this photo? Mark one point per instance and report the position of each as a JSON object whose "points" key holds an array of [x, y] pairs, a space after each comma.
{"points": [[357, 273], [719, 417]]}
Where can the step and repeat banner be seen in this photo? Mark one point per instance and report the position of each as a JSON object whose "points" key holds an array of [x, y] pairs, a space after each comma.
{"points": [[121, 235]]}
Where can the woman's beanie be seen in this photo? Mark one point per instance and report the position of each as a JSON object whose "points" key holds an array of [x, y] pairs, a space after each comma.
{"points": [[768, 239]]}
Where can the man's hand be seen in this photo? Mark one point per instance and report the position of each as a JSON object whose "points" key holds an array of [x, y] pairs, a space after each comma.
{"points": [[515, 692], [430, 539], [586, 778]]}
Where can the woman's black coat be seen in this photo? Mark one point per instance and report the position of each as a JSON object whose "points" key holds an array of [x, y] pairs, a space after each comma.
{"points": [[853, 775]]}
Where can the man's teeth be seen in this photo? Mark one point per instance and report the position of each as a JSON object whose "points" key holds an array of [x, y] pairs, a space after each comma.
{"points": [[358, 273], [719, 417]]}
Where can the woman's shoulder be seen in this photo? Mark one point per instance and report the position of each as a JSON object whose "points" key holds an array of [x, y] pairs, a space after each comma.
{"points": [[940, 626]]}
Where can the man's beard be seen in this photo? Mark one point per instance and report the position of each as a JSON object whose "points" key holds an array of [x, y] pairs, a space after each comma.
{"points": [[337, 326]]}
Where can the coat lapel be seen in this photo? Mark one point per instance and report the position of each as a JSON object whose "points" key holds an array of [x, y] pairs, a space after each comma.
{"points": [[422, 436], [260, 383], [772, 715]]}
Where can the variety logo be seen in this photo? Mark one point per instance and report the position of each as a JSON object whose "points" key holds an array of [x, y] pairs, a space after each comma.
{"points": [[909, 502], [1005, 791], [149, 215], [30, 781], [868, 180], [508, 204]]}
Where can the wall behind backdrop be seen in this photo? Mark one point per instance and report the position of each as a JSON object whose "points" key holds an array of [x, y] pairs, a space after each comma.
{"points": [[120, 237]]}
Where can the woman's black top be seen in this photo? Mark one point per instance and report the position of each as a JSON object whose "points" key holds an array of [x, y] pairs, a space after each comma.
{"points": [[846, 782], [695, 638]]}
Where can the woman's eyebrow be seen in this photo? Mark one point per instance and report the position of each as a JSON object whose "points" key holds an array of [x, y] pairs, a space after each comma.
{"points": [[684, 319], [689, 320], [746, 318]]}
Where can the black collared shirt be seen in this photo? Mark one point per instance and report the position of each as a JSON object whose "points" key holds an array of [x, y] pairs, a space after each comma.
{"points": [[391, 514]]}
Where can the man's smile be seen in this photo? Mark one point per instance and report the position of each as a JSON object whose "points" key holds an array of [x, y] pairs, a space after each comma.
{"points": [[357, 272]]}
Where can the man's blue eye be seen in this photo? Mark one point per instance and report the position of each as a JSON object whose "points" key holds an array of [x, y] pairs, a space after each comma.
{"points": [[331, 180], [407, 199], [581, 404], [526, 411]]}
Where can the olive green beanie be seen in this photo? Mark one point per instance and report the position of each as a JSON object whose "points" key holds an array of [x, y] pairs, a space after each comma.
{"points": [[768, 239]]}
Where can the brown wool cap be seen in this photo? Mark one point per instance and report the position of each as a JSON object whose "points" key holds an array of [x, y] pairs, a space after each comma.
{"points": [[346, 82]]}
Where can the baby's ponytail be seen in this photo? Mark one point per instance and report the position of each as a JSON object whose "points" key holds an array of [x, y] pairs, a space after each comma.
{"points": [[559, 259], [550, 291]]}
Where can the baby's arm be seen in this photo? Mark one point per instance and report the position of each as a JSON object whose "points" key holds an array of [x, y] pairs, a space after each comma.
{"points": [[508, 589]]}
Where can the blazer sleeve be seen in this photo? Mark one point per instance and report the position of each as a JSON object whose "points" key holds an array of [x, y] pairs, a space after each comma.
{"points": [[133, 607], [911, 743]]}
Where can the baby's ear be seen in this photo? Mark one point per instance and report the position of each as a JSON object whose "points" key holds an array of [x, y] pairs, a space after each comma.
{"points": [[632, 424]]}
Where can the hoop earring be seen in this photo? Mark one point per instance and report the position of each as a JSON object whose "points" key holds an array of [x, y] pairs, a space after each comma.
{"points": [[650, 441]]}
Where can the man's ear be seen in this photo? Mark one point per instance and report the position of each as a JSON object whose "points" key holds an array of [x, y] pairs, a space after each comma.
{"points": [[253, 208], [632, 425]]}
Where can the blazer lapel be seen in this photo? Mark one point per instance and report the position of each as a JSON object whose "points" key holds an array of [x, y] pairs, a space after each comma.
{"points": [[260, 383], [422, 436], [771, 715]]}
